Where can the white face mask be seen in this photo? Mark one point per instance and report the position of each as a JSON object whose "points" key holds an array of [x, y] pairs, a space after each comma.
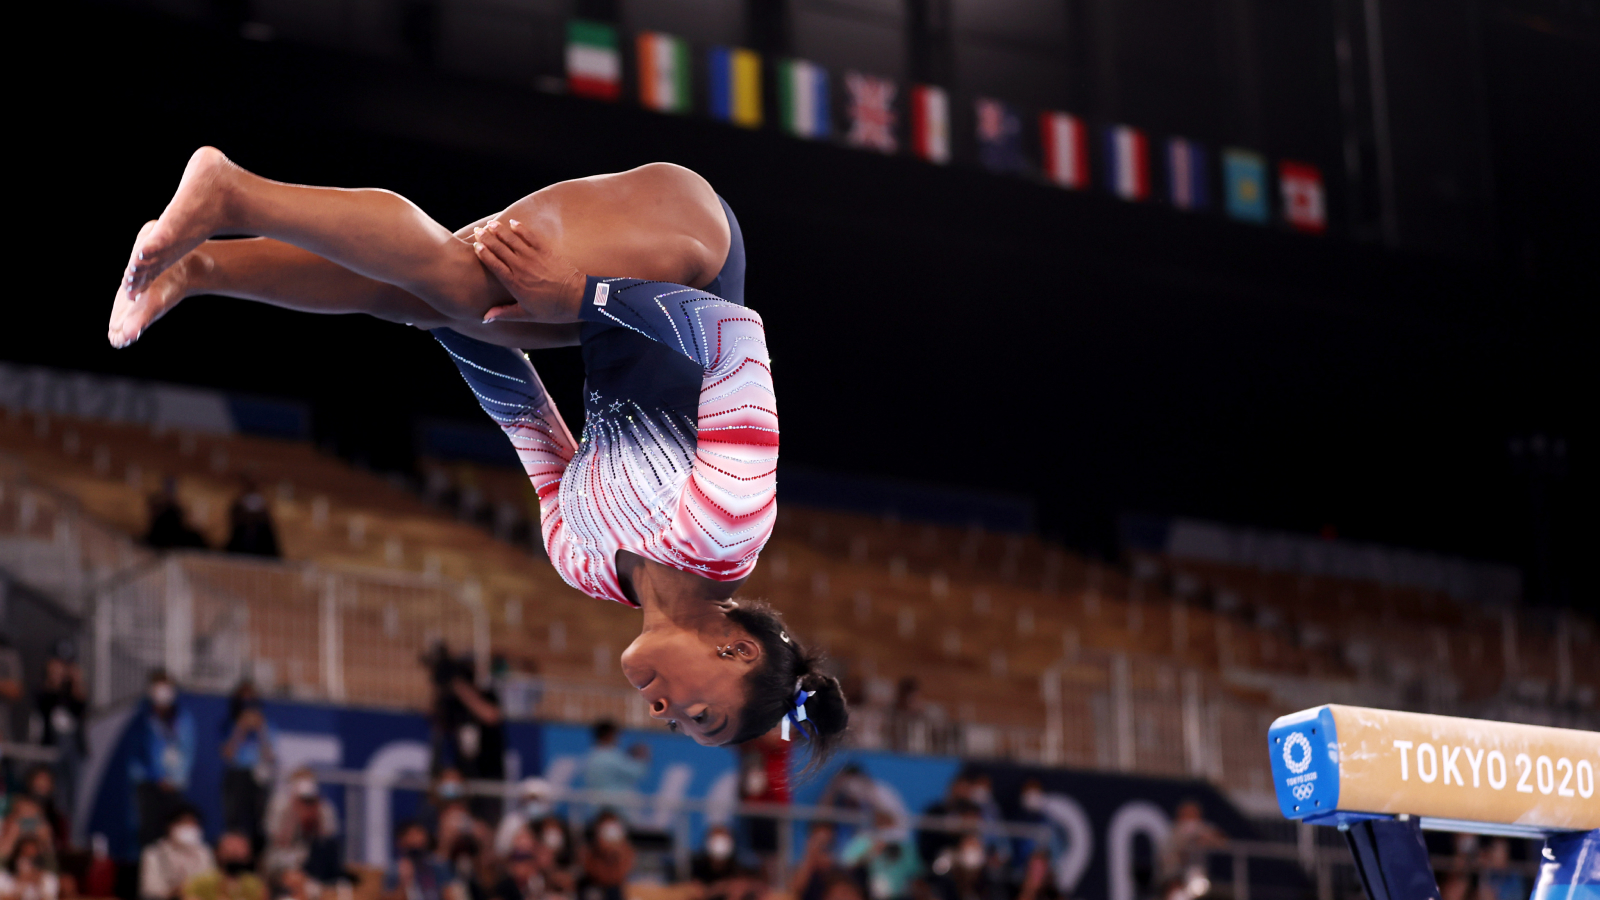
{"points": [[554, 839], [971, 856], [612, 832], [981, 795], [188, 835], [719, 846], [305, 788], [535, 809], [162, 694], [1033, 801]]}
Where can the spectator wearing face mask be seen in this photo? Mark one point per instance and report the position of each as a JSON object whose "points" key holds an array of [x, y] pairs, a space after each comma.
{"points": [[1031, 803], [25, 822], [41, 789], [551, 832], [234, 877], [526, 862], [418, 873], [162, 758], [250, 528], [303, 829], [61, 703], [606, 860], [167, 864], [249, 758], [967, 871], [461, 840], [885, 857], [25, 876], [715, 863], [449, 789], [533, 804]]}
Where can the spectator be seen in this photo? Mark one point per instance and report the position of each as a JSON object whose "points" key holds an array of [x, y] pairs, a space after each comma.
{"points": [[957, 802], [10, 685], [25, 823], [529, 868], [715, 863], [162, 758], [966, 871], [1036, 881], [61, 703], [981, 793], [169, 529], [303, 830], [293, 884], [1183, 856], [912, 716], [25, 876], [449, 789], [1499, 880], [606, 860], [166, 865], [233, 877], [41, 787], [250, 522], [608, 768], [533, 804], [818, 870], [551, 831], [851, 790], [417, 873], [763, 778], [888, 858], [461, 839], [248, 758]]}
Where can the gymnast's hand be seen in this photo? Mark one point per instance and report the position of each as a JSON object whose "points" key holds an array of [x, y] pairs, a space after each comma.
{"points": [[546, 286]]}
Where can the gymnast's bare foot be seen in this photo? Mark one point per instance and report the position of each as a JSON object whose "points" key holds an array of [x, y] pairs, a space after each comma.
{"points": [[197, 211], [132, 313]]}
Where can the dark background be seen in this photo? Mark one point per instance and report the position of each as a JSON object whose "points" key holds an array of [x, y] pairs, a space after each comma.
{"points": [[941, 325]]}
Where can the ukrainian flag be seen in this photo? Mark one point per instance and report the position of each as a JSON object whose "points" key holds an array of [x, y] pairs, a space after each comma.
{"points": [[736, 86]]}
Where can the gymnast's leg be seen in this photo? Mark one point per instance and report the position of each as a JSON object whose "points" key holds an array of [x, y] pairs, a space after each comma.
{"points": [[283, 275], [374, 233]]}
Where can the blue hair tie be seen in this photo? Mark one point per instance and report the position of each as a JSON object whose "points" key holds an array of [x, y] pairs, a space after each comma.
{"points": [[798, 714]]}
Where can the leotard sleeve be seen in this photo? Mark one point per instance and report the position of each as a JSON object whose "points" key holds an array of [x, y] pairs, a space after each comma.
{"points": [[509, 390], [728, 513]]}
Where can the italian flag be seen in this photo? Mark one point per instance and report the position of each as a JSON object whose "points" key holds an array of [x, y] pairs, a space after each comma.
{"points": [[594, 67], [663, 72], [930, 123]]}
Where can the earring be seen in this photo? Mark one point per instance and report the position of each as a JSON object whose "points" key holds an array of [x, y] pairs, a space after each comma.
{"points": [[729, 651]]}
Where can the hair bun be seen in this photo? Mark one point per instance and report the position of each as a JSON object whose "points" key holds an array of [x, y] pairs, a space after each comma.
{"points": [[826, 706]]}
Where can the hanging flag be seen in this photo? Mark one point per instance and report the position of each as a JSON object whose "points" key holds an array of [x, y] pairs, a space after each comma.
{"points": [[1188, 180], [1127, 163], [872, 113], [1000, 137], [1305, 205], [594, 67], [736, 86], [930, 123], [803, 99], [1065, 143], [663, 72], [1245, 174]]}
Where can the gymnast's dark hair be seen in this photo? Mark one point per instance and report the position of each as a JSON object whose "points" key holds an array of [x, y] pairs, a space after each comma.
{"points": [[770, 686]]}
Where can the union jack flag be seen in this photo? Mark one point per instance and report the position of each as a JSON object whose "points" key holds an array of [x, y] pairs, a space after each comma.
{"points": [[872, 115]]}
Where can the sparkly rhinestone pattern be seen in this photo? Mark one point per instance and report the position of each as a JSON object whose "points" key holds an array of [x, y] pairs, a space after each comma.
{"points": [[695, 495]]}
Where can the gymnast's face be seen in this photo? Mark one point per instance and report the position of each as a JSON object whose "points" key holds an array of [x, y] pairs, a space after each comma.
{"points": [[693, 679]]}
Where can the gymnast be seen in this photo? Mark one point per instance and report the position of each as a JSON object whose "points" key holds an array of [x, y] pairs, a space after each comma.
{"points": [[666, 502]]}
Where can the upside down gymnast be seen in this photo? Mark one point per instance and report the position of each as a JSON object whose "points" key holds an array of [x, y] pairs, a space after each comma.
{"points": [[666, 502]]}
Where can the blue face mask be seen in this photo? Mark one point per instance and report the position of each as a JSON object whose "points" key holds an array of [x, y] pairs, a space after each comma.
{"points": [[450, 790]]}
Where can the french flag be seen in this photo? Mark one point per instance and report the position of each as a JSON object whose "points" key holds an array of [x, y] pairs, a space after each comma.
{"points": [[1127, 162], [1066, 149]]}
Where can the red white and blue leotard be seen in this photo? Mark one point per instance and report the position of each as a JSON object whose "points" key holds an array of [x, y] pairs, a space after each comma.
{"points": [[680, 440]]}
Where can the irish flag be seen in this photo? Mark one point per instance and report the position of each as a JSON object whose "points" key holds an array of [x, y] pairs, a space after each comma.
{"points": [[663, 72], [736, 86], [594, 67], [1066, 149], [1127, 163], [803, 99], [930, 123]]}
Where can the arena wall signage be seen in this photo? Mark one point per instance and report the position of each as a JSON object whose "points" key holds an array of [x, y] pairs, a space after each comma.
{"points": [[1332, 763]]}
